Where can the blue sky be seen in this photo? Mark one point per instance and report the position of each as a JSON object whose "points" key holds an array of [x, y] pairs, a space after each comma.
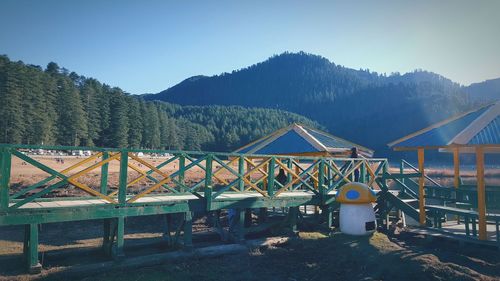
{"points": [[148, 46]]}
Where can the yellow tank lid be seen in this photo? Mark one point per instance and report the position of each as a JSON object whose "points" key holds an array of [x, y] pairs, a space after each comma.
{"points": [[355, 193]]}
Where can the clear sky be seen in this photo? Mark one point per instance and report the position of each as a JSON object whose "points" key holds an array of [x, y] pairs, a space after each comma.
{"points": [[148, 46]]}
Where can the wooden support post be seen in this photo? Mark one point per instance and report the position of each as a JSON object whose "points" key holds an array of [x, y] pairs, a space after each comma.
{"points": [[241, 225], [321, 181], [297, 167], [107, 238], [385, 169], [265, 181], [262, 215], [188, 231], [481, 198], [5, 166], [328, 176], [421, 184], [270, 177], [456, 173], [122, 186], [249, 168], [289, 165], [329, 216], [104, 174], [352, 175], [436, 218], [293, 213], [401, 171], [167, 219], [456, 167], [241, 171], [120, 233], [315, 183], [31, 248], [467, 227], [474, 227], [497, 231], [327, 213], [362, 172], [208, 182], [182, 172]]}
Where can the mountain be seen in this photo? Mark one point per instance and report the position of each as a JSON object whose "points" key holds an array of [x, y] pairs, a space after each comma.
{"points": [[365, 107], [486, 91], [53, 106]]}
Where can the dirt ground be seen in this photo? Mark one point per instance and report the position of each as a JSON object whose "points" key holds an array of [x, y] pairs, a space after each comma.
{"points": [[312, 256], [315, 256], [318, 257]]}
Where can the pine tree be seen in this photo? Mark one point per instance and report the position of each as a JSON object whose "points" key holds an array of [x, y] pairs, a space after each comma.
{"points": [[135, 123], [72, 125], [105, 116], [119, 120], [163, 120], [90, 95], [151, 129], [11, 121], [173, 141]]}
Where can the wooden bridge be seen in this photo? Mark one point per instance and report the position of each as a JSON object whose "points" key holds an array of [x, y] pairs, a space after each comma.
{"points": [[112, 184]]}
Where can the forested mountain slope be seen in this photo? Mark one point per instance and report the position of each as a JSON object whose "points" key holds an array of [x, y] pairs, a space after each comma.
{"points": [[365, 107], [55, 106]]}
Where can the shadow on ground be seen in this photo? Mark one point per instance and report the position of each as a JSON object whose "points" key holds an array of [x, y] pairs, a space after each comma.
{"points": [[340, 257]]}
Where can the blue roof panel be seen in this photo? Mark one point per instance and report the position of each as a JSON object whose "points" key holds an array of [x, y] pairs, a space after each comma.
{"points": [[329, 141], [289, 143], [490, 134], [254, 145], [442, 135]]}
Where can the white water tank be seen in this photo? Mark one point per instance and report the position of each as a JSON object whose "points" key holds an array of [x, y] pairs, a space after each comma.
{"points": [[357, 216]]}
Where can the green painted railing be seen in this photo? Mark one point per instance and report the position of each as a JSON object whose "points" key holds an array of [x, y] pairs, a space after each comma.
{"points": [[130, 176]]}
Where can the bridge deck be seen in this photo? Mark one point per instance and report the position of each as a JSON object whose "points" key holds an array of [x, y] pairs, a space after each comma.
{"points": [[163, 198]]}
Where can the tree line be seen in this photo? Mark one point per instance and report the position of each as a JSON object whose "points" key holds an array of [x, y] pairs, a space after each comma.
{"points": [[54, 106]]}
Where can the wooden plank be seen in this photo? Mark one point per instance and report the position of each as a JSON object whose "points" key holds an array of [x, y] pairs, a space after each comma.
{"points": [[481, 198], [421, 185], [30, 205], [456, 167], [147, 199]]}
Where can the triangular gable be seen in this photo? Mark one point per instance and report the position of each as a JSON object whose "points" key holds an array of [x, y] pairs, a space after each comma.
{"points": [[297, 138], [482, 122], [442, 133], [490, 134], [257, 144], [290, 142], [334, 143]]}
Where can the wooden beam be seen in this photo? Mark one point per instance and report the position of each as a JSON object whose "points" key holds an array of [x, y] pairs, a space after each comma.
{"points": [[31, 248], [188, 231], [421, 183], [5, 170], [297, 168], [456, 166], [481, 199], [119, 242]]}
